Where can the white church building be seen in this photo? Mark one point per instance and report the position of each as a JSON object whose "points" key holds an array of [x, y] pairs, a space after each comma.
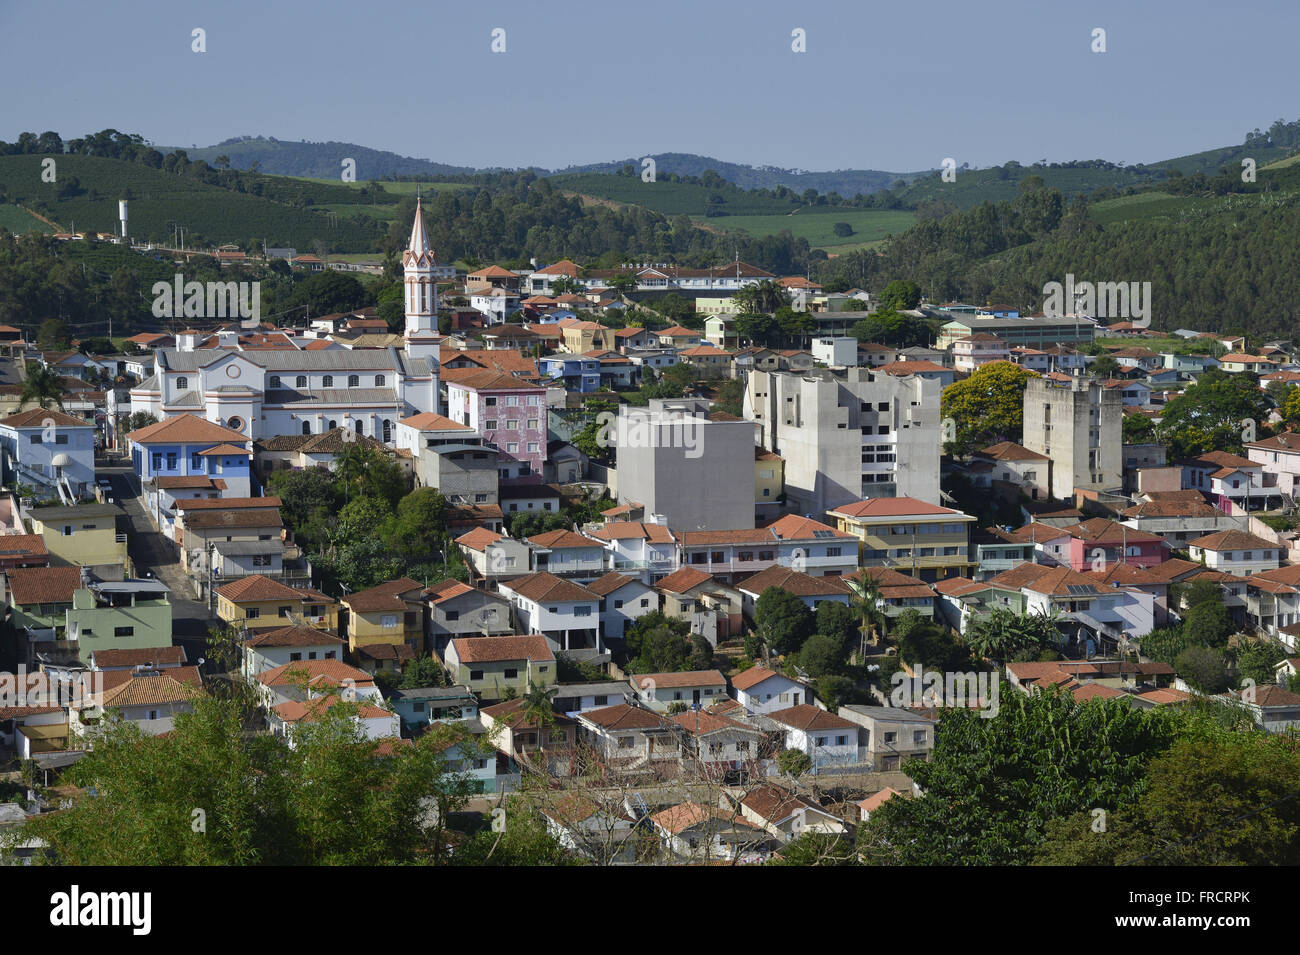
{"points": [[265, 392]]}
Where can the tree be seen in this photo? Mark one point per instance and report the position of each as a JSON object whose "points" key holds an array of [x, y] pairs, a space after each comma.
{"points": [[992, 786], [1205, 668], [868, 602], [1104, 366], [1207, 625], [1138, 429], [783, 620], [888, 327], [365, 469], [793, 762], [1003, 635], [821, 656], [1258, 660], [41, 387], [839, 623], [987, 407], [1209, 415], [422, 672], [842, 229], [765, 296], [52, 334], [900, 295], [210, 794], [539, 704]]}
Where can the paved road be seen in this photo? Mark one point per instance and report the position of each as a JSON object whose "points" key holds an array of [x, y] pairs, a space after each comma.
{"points": [[155, 556]]}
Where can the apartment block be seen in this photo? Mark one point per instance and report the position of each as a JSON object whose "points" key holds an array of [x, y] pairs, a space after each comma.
{"points": [[845, 437], [1079, 426]]}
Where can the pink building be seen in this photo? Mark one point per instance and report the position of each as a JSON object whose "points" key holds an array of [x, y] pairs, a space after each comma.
{"points": [[1099, 544], [979, 349], [508, 412]]}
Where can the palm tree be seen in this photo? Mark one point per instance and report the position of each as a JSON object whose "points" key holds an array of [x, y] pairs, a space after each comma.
{"points": [[867, 601], [762, 297], [41, 387], [538, 707]]}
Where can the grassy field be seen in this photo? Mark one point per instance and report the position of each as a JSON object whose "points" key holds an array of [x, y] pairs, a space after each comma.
{"points": [[14, 219], [818, 227], [395, 188], [668, 198]]}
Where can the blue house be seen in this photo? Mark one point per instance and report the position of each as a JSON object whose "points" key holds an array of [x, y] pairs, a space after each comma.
{"points": [[187, 457], [577, 372], [45, 448]]}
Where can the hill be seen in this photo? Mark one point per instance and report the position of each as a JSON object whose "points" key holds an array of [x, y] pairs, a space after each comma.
{"points": [[318, 160]]}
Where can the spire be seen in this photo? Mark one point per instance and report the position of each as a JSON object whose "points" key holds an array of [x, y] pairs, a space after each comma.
{"points": [[419, 238]]}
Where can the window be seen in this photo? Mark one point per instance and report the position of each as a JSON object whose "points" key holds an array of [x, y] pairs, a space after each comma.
{"points": [[171, 460], [327, 381], [841, 740], [124, 631], [832, 552], [300, 381], [601, 700], [261, 560], [490, 402], [379, 381], [891, 737], [274, 382], [582, 611], [512, 424], [252, 613], [820, 740], [453, 614], [512, 674], [645, 601], [360, 426], [389, 621], [306, 427], [476, 674], [533, 447], [918, 738], [67, 530], [295, 657], [532, 424], [284, 611], [354, 381], [490, 424]]}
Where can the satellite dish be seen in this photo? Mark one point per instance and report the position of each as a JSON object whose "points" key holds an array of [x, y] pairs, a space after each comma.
{"points": [[202, 661]]}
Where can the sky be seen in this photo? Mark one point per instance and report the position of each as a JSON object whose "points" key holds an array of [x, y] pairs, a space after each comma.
{"points": [[897, 87]]}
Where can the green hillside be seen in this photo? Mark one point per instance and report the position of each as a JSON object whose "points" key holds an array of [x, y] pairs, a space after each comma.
{"points": [[20, 221], [671, 198], [323, 160], [817, 225], [89, 187]]}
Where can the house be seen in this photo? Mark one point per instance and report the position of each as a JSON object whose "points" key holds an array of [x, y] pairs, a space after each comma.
{"points": [[492, 666], [491, 555], [1236, 552], [565, 553], [1014, 465], [420, 707], [456, 609], [787, 815], [305, 679], [149, 697], [1178, 521], [449, 456], [277, 646], [121, 615], [763, 691], [921, 369], [699, 833], [623, 600], [634, 547], [260, 598], [391, 613], [83, 535], [573, 698], [531, 497], [659, 691], [795, 542], [190, 446], [979, 349], [23, 550], [600, 831], [718, 744], [629, 737], [713, 610], [509, 414], [200, 525], [1089, 608], [1275, 710], [38, 599], [1098, 543], [932, 542], [45, 449], [375, 722], [528, 744], [1230, 480], [1279, 457], [873, 802], [828, 740], [565, 612], [997, 549], [889, 736], [813, 591]]}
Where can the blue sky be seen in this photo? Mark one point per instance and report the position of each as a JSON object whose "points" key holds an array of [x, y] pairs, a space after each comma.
{"points": [[895, 87]]}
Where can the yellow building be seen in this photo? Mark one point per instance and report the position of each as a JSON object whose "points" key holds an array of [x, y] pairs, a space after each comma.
{"points": [[258, 601], [769, 476], [579, 337], [910, 536], [83, 535], [493, 666], [392, 614]]}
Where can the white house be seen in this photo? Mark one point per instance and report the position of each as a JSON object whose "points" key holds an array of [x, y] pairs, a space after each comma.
{"points": [[303, 679], [659, 691], [760, 690], [623, 600], [564, 611], [827, 739], [646, 549], [787, 815], [268, 649], [375, 722], [568, 554], [43, 447], [1236, 552]]}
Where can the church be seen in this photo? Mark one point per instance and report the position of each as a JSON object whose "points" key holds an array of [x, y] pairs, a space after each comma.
{"points": [[265, 392]]}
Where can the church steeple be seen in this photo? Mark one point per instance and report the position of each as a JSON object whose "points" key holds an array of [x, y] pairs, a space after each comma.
{"points": [[419, 268]]}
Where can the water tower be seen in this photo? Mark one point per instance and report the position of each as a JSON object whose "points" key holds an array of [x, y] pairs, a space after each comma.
{"points": [[121, 214]]}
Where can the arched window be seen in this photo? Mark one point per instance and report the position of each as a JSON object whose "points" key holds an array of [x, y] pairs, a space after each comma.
{"points": [[379, 381], [306, 427], [275, 382], [354, 380], [388, 431], [182, 384], [235, 423], [333, 424], [360, 426], [327, 382], [301, 382]]}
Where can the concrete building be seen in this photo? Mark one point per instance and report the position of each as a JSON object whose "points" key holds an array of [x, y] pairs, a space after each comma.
{"points": [[843, 438], [451, 457], [1079, 426], [680, 464]]}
